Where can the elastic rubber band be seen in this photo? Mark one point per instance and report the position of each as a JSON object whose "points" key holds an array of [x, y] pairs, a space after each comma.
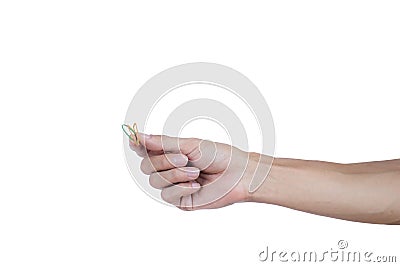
{"points": [[132, 134]]}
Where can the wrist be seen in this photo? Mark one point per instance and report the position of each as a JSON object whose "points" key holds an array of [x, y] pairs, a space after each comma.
{"points": [[259, 169], [273, 190]]}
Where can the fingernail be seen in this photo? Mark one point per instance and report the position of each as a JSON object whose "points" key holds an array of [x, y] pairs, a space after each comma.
{"points": [[179, 160], [192, 173], [195, 185]]}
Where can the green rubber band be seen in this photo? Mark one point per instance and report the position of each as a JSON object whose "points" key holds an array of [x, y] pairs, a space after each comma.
{"points": [[130, 130], [133, 131]]}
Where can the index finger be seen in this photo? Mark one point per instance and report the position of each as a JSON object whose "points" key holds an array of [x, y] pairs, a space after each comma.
{"points": [[139, 149]]}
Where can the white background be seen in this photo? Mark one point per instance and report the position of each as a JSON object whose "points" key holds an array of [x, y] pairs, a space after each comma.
{"points": [[329, 71]]}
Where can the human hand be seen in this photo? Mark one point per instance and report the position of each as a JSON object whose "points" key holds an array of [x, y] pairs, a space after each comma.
{"points": [[196, 174]]}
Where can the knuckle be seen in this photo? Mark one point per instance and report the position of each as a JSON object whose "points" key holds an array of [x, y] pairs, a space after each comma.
{"points": [[144, 166], [165, 196], [153, 181]]}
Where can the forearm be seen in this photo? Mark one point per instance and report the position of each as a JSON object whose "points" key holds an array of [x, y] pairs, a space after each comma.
{"points": [[365, 192]]}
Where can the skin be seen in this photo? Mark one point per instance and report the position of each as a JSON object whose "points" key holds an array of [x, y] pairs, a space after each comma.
{"points": [[189, 172]]}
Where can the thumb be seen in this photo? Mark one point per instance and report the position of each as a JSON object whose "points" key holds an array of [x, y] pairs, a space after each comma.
{"points": [[168, 143]]}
